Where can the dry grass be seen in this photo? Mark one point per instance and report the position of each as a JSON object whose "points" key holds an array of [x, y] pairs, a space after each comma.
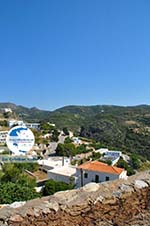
{"points": [[40, 175]]}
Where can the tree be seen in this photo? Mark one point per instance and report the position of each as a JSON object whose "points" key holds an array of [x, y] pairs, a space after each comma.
{"points": [[60, 150], [65, 150], [46, 127], [6, 114], [3, 123], [123, 164], [68, 140], [65, 131], [11, 173], [52, 186], [135, 162], [55, 135], [82, 149], [16, 192], [15, 185], [27, 166]]}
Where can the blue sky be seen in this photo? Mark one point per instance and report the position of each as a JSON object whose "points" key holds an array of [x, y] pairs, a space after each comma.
{"points": [[79, 52]]}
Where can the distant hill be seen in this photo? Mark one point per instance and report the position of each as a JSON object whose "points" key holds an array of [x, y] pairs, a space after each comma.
{"points": [[124, 128], [30, 114]]}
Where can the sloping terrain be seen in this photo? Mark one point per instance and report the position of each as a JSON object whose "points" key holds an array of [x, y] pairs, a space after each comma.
{"points": [[124, 128]]}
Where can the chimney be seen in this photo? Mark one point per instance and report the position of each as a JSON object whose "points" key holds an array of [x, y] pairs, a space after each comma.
{"points": [[63, 161]]}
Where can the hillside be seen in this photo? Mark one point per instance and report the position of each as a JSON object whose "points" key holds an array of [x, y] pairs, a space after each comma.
{"points": [[124, 128], [29, 114]]}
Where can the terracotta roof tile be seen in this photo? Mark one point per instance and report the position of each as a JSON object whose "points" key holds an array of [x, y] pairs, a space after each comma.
{"points": [[101, 167]]}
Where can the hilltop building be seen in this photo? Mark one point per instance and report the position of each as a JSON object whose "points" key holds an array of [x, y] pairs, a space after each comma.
{"points": [[35, 126], [6, 110], [15, 122]]}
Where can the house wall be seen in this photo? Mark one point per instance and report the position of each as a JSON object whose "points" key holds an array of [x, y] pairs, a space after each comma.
{"points": [[58, 177], [123, 175], [80, 174], [35, 126]]}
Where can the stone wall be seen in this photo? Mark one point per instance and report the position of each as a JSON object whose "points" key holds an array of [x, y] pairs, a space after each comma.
{"points": [[113, 203]]}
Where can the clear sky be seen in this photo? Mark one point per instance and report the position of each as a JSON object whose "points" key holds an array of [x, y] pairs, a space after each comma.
{"points": [[79, 52]]}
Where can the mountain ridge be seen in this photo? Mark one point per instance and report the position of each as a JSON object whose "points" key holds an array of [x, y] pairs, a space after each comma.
{"points": [[119, 127]]}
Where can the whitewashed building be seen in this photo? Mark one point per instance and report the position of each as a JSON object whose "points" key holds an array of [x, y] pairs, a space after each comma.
{"points": [[35, 126], [98, 172], [15, 122], [112, 155], [7, 110], [76, 140], [63, 173], [58, 169]]}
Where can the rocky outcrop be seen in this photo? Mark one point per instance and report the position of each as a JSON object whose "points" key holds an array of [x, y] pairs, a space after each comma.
{"points": [[114, 203]]}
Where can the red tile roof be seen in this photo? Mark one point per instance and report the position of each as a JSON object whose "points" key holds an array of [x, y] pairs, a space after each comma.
{"points": [[101, 167]]}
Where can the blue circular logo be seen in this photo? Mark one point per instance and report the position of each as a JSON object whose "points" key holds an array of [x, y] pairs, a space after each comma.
{"points": [[20, 140]]}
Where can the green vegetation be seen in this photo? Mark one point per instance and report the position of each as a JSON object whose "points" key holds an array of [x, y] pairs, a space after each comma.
{"points": [[55, 135], [80, 161], [6, 115], [46, 127], [145, 166], [32, 167], [82, 149], [69, 149], [95, 156], [15, 185], [12, 192], [52, 186], [96, 145], [65, 131], [122, 128], [123, 164], [68, 140], [3, 123], [5, 152], [135, 161]]}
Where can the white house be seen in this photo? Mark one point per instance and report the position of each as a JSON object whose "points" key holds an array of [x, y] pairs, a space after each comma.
{"points": [[7, 110], [96, 171], [15, 122], [102, 150], [58, 168], [114, 156], [63, 173], [76, 140], [35, 126]]}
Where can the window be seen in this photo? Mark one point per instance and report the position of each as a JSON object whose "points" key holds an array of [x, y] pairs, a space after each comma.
{"points": [[96, 178], [86, 175], [107, 178]]}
